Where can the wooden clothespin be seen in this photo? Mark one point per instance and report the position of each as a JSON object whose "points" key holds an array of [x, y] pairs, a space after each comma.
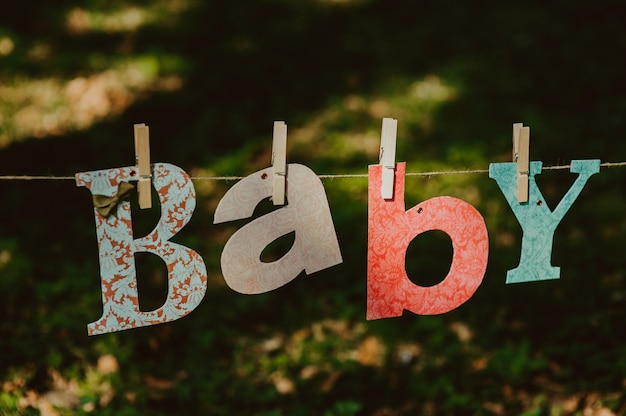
{"points": [[521, 155], [279, 162], [142, 159], [387, 156]]}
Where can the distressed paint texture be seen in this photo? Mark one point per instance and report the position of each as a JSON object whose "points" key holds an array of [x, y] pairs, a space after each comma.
{"points": [[537, 221], [391, 229]]}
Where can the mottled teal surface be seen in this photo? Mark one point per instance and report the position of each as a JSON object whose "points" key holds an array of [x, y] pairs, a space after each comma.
{"points": [[537, 221]]}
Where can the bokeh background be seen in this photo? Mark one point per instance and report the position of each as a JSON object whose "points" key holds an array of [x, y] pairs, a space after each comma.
{"points": [[209, 77]]}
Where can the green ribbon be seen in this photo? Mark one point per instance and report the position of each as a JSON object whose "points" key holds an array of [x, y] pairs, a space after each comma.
{"points": [[106, 205]]}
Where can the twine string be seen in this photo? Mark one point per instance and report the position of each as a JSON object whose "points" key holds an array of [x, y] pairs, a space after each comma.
{"points": [[325, 176]]}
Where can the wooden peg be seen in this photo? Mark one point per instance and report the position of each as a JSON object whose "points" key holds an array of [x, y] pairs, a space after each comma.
{"points": [[279, 162], [516, 129], [387, 156], [142, 159], [521, 155]]}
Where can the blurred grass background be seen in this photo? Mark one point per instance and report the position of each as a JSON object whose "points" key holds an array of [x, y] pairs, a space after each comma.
{"points": [[209, 78]]}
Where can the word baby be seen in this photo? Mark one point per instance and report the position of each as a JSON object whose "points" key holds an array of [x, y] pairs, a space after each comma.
{"points": [[390, 230]]}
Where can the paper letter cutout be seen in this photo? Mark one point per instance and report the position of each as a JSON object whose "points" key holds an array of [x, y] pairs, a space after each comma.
{"points": [[391, 229], [187, 276], [307, 212], [537, 221]]}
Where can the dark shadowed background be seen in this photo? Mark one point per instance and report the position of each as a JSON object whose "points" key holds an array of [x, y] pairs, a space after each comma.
{"points": [[209, 78]]}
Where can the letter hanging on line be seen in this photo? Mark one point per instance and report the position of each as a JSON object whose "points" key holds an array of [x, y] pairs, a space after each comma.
{"points": [[537, 221], [186, 271], [391, 229], [307, 213]]}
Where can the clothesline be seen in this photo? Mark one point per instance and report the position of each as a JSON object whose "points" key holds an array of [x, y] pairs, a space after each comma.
{"points": [[328, 176]]}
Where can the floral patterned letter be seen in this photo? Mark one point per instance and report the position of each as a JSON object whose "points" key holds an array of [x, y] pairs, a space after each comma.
{"points": [[537, 221], [187, 277], [307, 212], [391, 229]]}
